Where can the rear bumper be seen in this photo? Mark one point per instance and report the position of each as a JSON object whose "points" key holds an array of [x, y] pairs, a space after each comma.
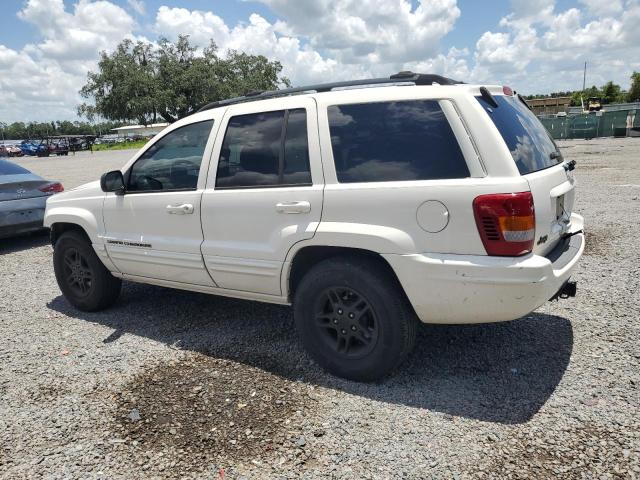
{"points": [[21, 216], [482, 289]]}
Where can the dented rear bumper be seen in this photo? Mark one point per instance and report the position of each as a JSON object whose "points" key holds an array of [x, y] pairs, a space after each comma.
{"points": [[482, 289]]}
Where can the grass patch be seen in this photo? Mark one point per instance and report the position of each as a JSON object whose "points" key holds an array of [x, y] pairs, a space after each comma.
{"points": [[120, 146]]}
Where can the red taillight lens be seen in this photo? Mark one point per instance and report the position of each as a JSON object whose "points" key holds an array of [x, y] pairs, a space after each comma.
{"points": [[51, 188], [507, 90], [506, 223]]}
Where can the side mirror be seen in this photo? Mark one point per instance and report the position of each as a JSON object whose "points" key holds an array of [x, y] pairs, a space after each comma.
{"points": [[112, 182]]}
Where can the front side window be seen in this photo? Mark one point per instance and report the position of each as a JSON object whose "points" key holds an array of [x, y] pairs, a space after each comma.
{"points": [[390, 141], [173, 162], [265, 149]]}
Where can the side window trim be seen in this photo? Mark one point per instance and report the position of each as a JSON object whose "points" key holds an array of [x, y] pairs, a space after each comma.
{"points": [[127, 173], [465, 140], [283, 137], [281, 154]]}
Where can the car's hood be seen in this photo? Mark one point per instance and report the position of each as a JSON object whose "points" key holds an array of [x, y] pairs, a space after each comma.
{"points": [[95, 184], [88, 190]]}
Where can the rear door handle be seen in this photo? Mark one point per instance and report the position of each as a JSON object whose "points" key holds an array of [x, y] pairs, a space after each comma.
{"points": [[293, 207], [180, 209]]}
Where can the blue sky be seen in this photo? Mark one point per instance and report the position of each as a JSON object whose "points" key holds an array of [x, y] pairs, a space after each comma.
{"points": [[537, 46]]}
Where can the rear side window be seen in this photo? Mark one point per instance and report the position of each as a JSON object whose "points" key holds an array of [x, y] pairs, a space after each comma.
{"points": [[387, 141], [8, 168], [531, 146], [265, 150]]}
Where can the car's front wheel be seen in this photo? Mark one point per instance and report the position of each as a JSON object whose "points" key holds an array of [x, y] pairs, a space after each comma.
{"points": [[353, 318], [81, 276]]}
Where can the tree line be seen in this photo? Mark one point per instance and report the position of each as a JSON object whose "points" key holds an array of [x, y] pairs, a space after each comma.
{"points": [[37, 130], [144, 83], [609, 93]]}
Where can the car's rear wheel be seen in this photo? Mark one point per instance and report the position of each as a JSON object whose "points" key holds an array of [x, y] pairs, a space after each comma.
{"points": [[354, 319], [83, 279]]}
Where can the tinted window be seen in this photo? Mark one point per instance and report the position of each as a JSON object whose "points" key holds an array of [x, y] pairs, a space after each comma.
{"points": [[173, 162], [265, 149], [530, 144], [296, 150], [8, 168], [407, 140]]}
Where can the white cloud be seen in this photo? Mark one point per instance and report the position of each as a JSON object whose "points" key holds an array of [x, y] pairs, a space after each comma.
{"points": [[137, 6], [374, 37], [600, 8], [41, 81], [374, 31], [535, 47], [540, 50]]}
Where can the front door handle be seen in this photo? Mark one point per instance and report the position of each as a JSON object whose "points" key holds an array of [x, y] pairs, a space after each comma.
{"points": [[180, 209], [293, 207]]}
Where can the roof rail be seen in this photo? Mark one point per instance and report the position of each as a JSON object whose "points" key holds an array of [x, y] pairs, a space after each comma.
{"points": [[401, 77]]}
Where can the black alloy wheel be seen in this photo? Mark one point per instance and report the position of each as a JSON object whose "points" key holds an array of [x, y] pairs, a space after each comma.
{"points": [[346, 322]]}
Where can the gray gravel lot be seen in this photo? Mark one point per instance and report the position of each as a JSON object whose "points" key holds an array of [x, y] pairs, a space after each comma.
{"points": [[172, 384]]}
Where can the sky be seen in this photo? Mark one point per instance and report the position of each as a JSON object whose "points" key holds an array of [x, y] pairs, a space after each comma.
{"points": [[535, 46]]}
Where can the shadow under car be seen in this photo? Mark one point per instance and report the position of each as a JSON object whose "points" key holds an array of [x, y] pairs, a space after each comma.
{"points": [[501, 372]]}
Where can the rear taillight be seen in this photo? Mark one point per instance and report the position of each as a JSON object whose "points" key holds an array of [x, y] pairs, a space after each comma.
{"points": [[51, 188], [506, 223]]}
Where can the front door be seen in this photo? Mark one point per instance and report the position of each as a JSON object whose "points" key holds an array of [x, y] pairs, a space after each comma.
{"points": [[265, 194], [154, 230]]}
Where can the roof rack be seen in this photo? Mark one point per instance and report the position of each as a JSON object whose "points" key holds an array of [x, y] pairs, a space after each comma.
{"points": [[401, 77]]}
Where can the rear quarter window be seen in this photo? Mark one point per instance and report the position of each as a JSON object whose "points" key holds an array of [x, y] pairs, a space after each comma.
{"points": [[391, 141], [531, 146]]}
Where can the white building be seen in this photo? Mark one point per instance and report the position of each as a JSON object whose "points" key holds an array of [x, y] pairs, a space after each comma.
{"points": [[143, 130]]}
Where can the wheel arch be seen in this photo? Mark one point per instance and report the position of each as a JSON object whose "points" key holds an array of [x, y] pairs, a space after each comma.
{"points": [[308, 256], [60, 220], [58, 228]]}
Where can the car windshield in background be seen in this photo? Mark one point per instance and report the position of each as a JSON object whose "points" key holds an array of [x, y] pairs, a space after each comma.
{"points": [[8, 168], [531, 146]]}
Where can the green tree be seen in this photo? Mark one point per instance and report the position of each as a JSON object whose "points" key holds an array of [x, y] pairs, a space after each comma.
{"points": [[35, 130], [612, 93], [138, 82], [633, 95], [124, 88]]}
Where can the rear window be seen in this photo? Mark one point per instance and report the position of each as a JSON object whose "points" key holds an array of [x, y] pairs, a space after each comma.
{"points": [[531, 146], [8, 168], [387, 141]]}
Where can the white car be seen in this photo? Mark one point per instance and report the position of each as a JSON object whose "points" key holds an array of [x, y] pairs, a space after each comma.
{"points": [[417, 197]]}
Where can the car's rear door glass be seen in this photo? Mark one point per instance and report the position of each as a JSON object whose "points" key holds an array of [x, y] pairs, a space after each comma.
{"points": [[265, 149], [531, 146], [390, 141]]}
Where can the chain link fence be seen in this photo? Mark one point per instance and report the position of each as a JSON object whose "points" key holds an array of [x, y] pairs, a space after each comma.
{"points": [[609, 124]]}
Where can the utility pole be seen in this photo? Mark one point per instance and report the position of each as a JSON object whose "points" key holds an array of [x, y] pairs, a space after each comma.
{"points": [[584, 77]]}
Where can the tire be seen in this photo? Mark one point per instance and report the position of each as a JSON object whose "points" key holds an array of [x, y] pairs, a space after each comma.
{"points": [[82, 278], [329, 302]]}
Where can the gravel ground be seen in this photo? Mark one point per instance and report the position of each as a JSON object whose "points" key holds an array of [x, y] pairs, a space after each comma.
{"points": [[172, 384]]}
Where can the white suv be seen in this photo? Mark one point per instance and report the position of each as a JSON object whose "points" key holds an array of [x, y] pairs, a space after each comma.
{"points": [[366, 208]]}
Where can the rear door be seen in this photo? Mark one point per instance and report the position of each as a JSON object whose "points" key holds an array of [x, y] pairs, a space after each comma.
{"points": [[540, 162], [264, 195]]}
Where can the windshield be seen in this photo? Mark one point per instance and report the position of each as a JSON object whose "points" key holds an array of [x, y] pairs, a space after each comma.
{"points": [[531, 146], [8, 168]]}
